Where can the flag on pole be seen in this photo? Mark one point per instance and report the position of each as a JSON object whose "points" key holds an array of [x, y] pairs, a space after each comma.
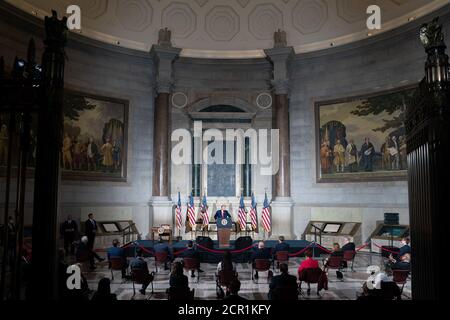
{"points": [[178, 218], [265, 215], [191, 212], [254, 214], [205, 211], [242, 215]]}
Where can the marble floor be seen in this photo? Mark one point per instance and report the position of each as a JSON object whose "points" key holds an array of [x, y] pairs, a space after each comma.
{"points": [[205, 289]]}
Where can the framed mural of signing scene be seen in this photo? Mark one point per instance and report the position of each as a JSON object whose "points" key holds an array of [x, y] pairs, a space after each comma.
{"points": [[362, 138], [95, 137]]}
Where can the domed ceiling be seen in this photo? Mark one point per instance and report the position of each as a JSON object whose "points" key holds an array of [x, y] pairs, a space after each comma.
{"points": [[232, 28]]}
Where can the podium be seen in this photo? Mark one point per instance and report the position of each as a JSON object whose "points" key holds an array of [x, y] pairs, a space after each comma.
{"points": [[223, 232]]}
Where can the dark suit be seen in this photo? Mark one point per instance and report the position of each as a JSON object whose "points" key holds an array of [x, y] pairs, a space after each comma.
{"points": [[90, 227], [221, 215], [83, 250], [179, 281], [140, 263], [191, 253], [163, 247], [281, 246], [348, 247], [69, 230], [402, 251], [283, 280], [118, 252], [260, 254]]}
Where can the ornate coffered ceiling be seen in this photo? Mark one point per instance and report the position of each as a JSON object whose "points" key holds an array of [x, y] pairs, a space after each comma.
{"points": [[232, 28]]}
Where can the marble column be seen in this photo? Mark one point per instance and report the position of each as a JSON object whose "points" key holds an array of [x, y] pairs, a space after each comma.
{"points": [[282, 182], [282, 204], [161, 146], [161, 207]]}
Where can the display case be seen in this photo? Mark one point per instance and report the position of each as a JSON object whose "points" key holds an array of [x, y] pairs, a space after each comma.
{"points": [[388, 235], [328, 232]]}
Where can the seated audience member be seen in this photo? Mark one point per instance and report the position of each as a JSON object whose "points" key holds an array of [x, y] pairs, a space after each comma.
{"points": [[234, 296], [404, 249], [103, 292], [284, 280], [308, 263], [260, 253], [191, 252], [403, 264], [280, 246], [162, 246], [177, 278], [337, 252], [84, 251], [348, 245], [379, 285], [227, 263], [139, 263], [117, 252]]}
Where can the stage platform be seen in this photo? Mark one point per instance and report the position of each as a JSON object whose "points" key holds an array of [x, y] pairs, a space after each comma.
{"points": [[213, 254]]}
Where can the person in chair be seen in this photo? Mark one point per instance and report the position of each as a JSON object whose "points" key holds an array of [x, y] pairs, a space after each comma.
{"points": [[191, 252], [139, 263], [162, 246], [117, 252], [282, 281], [260, 253]]}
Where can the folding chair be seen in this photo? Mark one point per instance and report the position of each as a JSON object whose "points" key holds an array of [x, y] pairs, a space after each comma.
{"points": [[261, 265], [116, 263], [334, 262], [224, 279], [280, 257], [161, 258], [400, 277], [310, 275], [192, 264], [349, 256], [141, 276]]}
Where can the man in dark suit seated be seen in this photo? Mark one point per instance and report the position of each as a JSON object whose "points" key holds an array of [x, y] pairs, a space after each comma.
{"points": [[162, 246], [191, 252], [404, 249], [348, 245], [260, 253], [280, 246], [403, 264], [222, 213], [83, 251], [139, 263], [234, 296], [117, 252], [282, 281]]}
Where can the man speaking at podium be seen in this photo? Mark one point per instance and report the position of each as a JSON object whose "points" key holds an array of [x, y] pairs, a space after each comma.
{"points": [[224, 223], [222, 213]]}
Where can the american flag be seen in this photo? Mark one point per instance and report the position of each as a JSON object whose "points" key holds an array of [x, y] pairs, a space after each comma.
{"points": [[254, 214], [265, 215], [191, 211], [242, 215], [178, 218], [205, 211]]}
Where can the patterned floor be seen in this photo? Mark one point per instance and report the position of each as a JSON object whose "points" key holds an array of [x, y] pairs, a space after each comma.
{"points": [[205, 289]]}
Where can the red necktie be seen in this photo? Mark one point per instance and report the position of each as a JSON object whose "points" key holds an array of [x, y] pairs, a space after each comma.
{"points": [[223, 216]]}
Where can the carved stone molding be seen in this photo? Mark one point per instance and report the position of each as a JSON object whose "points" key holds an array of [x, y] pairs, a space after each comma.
{"points": [[141, 11], [222, 23], [180, 19], [309, 16], [264, 20]]}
